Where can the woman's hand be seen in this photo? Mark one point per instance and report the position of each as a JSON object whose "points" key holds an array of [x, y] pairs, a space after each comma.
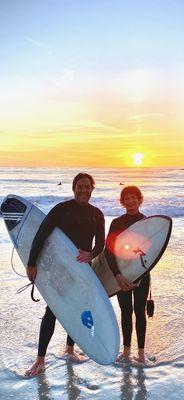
{"points": [[84, 256], [31, 273], [124, 284]]}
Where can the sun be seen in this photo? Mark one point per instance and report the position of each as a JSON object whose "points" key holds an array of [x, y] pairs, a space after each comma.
{"points": [[138, 157]]}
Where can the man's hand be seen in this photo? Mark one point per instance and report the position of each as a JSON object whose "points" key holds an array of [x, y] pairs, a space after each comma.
{"points": [[124, 284], [84, 256], [31, 273]]}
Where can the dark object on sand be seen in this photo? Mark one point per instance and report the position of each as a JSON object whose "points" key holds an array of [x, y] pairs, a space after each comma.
{"points": [[150, 306]]}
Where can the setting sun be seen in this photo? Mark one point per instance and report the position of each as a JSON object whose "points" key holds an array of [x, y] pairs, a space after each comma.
{"points": [[138, 158]]}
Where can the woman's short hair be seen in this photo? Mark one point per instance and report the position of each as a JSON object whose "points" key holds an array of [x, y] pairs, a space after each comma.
{"points": [[131, 190], [82, 175]]}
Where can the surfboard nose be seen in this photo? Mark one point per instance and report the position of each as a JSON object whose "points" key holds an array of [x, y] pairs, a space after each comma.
{"points": [[13, 211]]}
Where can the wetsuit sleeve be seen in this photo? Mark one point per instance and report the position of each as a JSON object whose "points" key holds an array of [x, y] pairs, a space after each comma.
{"points": [[109, 250], [99, 234], [117, 226], [45, 229]]}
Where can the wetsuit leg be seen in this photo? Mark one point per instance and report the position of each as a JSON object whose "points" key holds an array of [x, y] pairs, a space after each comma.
{"points": [[140, 298], [125, 303], [46, 331], [70, 341]]}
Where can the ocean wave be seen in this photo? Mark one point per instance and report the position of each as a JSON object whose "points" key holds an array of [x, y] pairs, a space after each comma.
{"points": [[172, 212], [110, 207]]}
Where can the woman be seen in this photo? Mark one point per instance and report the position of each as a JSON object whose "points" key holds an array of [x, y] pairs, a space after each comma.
{"points": [[132, 296]]}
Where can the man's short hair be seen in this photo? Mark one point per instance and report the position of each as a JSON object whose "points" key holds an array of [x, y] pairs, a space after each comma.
{"points": [[82, 175]]}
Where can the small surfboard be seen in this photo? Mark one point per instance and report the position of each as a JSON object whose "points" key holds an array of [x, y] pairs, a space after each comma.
{"points": [[137, 250], [71, 289]]}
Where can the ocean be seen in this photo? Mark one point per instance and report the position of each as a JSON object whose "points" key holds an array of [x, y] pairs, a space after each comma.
{"points": [[163, 190]]}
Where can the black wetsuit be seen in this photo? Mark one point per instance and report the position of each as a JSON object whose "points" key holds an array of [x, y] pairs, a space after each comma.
{"points": [[81, 224], [140, 293]]}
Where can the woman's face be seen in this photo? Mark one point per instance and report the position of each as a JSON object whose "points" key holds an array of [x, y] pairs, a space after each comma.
{"points": [[131, 203]]}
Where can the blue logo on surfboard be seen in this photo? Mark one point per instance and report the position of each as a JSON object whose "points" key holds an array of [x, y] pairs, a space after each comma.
{"points": [[87, 321]]}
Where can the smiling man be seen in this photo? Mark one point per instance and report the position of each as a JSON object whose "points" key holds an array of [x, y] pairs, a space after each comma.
{"points": [[81, 222]]}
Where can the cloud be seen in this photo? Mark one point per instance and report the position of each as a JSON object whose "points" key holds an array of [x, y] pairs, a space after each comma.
{"points": [[39, 44], [142, 117], [68, 75], [36, 42]]}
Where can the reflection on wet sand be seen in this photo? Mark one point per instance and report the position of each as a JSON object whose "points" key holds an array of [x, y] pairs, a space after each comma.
{"points": [[133, 383], [71, 386], [43, 387], [45, 390]]}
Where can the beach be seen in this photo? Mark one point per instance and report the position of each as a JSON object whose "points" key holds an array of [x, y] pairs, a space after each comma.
{"points": [[20, 317]]}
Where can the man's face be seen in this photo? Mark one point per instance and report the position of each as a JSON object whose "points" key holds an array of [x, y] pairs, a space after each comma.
{"points": [[82, 191], [131, 203]]}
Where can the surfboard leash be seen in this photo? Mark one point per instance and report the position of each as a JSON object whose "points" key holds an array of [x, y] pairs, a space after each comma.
{"points": [[21, 289]]}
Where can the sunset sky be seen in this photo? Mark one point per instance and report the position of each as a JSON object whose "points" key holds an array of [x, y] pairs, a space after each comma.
{"points": [[91, 83]]}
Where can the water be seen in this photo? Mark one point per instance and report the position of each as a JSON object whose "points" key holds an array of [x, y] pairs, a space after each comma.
{"points": [[20, 317]]}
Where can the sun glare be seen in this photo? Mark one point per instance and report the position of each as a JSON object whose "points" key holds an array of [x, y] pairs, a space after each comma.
{"points": [[138, 158]]}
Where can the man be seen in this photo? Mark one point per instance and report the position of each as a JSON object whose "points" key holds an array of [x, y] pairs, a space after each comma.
{"points": [[81, 222]]}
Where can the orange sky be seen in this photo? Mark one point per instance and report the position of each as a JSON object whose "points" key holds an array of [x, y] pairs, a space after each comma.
{"points": [[71, 98], [102, 133]]}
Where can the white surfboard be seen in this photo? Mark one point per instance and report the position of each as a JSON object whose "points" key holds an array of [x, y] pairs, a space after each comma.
{"points": [[137, 250], [71, 289]]}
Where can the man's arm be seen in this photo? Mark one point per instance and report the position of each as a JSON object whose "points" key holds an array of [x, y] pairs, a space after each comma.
{"points": [[45, 229], [87, 256]]}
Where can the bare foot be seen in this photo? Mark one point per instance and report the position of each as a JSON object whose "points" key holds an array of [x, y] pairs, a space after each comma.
{"points": [[144, 361], [123, 357], [37, 367], [74, 356]]}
